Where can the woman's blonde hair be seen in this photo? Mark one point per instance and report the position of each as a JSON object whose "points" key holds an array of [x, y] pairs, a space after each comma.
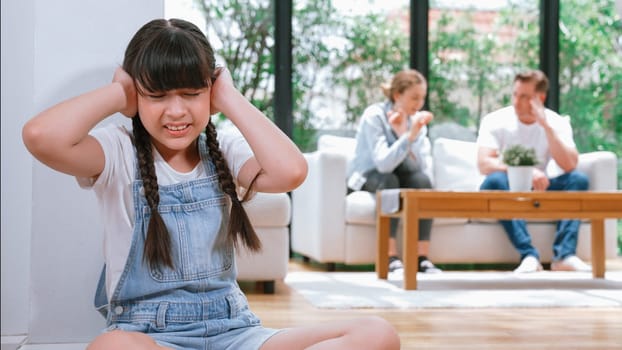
{"points": [[402, 81]]}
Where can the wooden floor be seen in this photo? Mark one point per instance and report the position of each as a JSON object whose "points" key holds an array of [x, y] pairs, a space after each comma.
{"points": [[503, 329]]}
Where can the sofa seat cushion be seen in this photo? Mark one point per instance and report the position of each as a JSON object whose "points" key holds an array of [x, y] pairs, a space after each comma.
{"points": [[269, 210], [360, 208]]}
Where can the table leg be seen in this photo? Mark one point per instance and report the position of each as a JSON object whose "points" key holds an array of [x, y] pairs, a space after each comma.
{"points": [[598, 248], [382, 241], [410, 248]]}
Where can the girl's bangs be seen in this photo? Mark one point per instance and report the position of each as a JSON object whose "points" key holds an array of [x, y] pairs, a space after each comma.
{"points": [[174, 63]]}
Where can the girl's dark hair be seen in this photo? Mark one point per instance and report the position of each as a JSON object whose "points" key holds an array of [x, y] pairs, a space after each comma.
{"points": [[165, 55]]}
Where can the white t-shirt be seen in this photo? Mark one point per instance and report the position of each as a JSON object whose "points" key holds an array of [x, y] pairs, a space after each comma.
{"points": [[113, 187], [502, 129]]}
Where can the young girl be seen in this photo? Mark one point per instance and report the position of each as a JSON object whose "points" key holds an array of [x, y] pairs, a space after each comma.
{"points": [[170, 207], [393, 151]]}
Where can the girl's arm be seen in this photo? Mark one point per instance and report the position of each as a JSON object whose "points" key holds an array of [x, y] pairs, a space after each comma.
{"points": [[278, 161], [59, 138]]}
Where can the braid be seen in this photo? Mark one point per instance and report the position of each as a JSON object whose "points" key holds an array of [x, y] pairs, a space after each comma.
{"points": [[157, 250], [239, 224]]}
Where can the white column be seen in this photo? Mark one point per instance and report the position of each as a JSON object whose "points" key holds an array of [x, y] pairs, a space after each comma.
{"points": [[51, 234]]}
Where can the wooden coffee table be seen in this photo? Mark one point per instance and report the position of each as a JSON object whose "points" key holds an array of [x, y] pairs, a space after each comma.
{"points": [[429, 204]]}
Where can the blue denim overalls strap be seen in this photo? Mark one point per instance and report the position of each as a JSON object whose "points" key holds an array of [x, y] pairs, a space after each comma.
{"points": [[202, 285]]}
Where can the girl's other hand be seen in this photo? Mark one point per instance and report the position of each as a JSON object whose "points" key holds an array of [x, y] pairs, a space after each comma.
{"points": [[129, 88], [221, 87]]}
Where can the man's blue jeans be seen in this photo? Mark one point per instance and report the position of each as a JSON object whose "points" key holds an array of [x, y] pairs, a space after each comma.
{"points": [[565, 243]]}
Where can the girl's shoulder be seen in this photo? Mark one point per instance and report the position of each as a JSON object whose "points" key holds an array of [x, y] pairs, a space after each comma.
{"points": [[117, 143], [234, 147], [120, 132]]}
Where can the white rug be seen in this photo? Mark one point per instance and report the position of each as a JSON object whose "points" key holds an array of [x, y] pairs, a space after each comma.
{"points": [[347, 290]]}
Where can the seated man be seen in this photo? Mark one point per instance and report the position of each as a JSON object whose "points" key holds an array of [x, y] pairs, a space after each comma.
{"points": [[527, 122]]}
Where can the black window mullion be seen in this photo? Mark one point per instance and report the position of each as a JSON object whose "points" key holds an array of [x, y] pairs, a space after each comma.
{"points": [[549, 49], [283, 95], [419, 50]]}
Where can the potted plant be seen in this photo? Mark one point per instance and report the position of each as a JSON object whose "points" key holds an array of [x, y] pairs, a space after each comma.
{"points": [[520, 161]]}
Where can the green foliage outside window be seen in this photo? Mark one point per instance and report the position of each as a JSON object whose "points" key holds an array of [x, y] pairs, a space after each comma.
{"points": [[377, 46]]}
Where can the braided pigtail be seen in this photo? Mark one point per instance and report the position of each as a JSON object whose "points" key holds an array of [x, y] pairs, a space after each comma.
{"points": [[239, 224], [157, 250]]}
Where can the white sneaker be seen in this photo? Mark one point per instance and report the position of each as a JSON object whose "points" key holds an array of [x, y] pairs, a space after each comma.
{"points": [[529, 264], [570, 263]]}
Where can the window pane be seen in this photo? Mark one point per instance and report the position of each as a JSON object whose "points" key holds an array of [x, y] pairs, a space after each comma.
{"points": [[342, 52], [476, 48], [242, 35], [591, 73]]}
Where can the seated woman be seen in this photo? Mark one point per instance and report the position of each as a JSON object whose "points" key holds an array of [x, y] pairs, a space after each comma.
{"points": [[393, 151]]}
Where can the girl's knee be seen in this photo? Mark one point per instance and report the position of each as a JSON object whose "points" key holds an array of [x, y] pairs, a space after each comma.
{"points": [[119, 339], [381, 334]]}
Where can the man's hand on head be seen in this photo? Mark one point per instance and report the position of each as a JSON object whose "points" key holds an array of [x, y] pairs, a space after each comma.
{"points": [[537, 109]]}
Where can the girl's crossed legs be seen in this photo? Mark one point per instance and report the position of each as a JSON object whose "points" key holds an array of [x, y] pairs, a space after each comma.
{"points": [[369, 333], [372, 333]]}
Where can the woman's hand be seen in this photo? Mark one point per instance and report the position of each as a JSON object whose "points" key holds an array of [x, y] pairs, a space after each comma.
{"points": [[398, 120], [129, 88], [418, 120]]}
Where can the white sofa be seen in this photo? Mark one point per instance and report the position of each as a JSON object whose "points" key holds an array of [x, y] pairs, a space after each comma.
{"points": [[331, 227], [270, 214]]}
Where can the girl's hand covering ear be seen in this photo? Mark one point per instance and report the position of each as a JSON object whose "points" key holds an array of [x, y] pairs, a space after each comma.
{"points": [[129, 88], [221, 87]]}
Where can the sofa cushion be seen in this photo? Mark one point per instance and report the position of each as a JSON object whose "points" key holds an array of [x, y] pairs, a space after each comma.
{"points": [[361, 208], [269, 209], [455, 165]]}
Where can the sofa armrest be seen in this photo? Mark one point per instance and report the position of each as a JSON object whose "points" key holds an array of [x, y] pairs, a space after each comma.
{"points": [[601, 168], [318, 208]]}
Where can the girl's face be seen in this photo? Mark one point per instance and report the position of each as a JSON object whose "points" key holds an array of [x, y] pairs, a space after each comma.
{"points": [[411, 100], [175, 118]]}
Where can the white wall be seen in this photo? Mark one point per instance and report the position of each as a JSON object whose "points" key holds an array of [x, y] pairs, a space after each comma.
{"points": [[17, 97], [52, 50]]}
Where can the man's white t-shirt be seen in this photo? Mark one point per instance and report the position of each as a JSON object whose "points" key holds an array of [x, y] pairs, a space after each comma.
{"points": [[502, 129], [113, 187]]}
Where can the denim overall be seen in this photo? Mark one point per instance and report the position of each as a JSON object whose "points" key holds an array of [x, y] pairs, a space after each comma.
{"points": [[198, 304]]}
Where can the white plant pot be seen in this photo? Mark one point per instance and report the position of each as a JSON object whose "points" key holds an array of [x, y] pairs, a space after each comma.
{"points": [[520, 178]]}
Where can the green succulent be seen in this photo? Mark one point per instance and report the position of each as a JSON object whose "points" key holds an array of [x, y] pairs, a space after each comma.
{"points": [[518, 155]]}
